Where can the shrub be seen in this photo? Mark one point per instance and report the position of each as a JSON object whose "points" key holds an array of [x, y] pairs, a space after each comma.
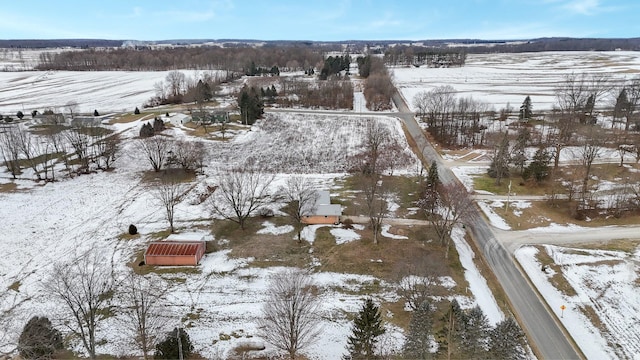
{"points": [[133, 230], [39, 339], [168, 349], [136, 111], [347, 223], [95, 113], [8, 119], [19, 115]]}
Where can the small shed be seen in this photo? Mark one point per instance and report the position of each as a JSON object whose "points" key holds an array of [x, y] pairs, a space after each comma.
{"points": [[323, 211], [174, 253]]}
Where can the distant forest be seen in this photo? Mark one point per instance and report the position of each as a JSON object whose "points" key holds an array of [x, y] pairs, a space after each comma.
{"points": [[237, 55]]}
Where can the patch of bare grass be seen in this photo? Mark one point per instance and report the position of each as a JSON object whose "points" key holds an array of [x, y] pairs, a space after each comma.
{"points": [[557, 279]]}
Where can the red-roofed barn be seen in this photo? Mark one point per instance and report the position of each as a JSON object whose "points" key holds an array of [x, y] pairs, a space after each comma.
{"points": [[174, 253]]}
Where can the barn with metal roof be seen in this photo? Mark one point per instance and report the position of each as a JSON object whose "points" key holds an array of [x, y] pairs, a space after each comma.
{"points": [[174, 253]]}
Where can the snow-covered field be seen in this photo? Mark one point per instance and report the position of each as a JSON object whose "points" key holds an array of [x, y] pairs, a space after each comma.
{"points": [[105, 91], [605, 284], [498, 79]]}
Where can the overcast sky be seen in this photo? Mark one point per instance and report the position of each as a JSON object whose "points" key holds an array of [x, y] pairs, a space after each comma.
{"points": [[329, 20]]}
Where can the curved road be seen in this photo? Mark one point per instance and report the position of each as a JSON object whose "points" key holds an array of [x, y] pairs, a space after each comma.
{"points": [[546, 336]]}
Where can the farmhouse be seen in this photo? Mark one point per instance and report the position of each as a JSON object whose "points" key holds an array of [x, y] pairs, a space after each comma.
{"points": [[323, 211], [174, 253]]}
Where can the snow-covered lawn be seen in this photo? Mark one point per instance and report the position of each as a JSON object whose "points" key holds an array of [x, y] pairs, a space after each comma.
{"points": [[605, 285]]}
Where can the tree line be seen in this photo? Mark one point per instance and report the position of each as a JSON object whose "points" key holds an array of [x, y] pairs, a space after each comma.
{"points": [[237, 59]]}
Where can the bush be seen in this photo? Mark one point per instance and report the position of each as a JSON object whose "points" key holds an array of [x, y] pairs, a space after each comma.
{"points": [[95, 113], [39, 339], [133, 230], [8, 119], [347, 223], [19, 115], [136, 111], [168, 349]]}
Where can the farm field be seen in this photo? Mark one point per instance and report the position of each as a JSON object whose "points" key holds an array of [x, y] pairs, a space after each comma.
{"points": [[498, 79]]}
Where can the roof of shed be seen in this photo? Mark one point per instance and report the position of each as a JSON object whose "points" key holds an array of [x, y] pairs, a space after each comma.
{"points": [[173, 248]]}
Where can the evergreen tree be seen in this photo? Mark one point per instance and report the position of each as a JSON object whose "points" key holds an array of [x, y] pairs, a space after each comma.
{"points": [[146, 130], [39, 339], [589, 106], [170, 348], [136, 111], [475, 333], [418, 343], [430, 197], [499, 167], [507, 341], [96, 113], [519, 151], [158, 125], [538, 169], [450, 336], [526, 109], [367, 326], [250, 104], [622, 104]]}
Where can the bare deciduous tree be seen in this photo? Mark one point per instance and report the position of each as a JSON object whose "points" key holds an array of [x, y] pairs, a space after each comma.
{"points": [[72, 106], [240, 193], [143, 311], [455, 206], [10, 149], [169, 194], [189, 155], [291, 321], [85, 287], [156, 150], [300, 195]]}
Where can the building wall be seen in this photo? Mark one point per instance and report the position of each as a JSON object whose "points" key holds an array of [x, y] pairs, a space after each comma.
{"points": [[319, 219], [170, 260]]}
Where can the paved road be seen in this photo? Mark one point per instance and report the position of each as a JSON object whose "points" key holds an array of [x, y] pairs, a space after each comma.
{"points": [[546, 336]]}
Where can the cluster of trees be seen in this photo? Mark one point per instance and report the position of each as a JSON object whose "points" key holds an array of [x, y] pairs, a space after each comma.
{"points": [[232, 59], [252, 70], [378, 86], [161, 151], [250, 104], [331, 94], [82, 149], [178, 88], [452, 121], [334, 65], [407, 55], [148, 130]]}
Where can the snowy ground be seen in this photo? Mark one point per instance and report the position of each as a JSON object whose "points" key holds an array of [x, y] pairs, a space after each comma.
{"points": [[605, 284], [498, 79], [53, 223]]}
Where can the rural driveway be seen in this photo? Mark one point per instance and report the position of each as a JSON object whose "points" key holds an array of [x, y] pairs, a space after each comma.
{"points": [[546, 336]]}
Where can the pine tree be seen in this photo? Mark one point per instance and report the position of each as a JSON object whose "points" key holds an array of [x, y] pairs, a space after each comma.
{"points": [[519, 153], [499, 167], [430, 197], [538, 169], [418, 343], [526, 109], [136, 111], [367, 326], [450, 336], [96, 113], [170, 348], [475, 333], [507, 341], [39, 339], [622, 104]]}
